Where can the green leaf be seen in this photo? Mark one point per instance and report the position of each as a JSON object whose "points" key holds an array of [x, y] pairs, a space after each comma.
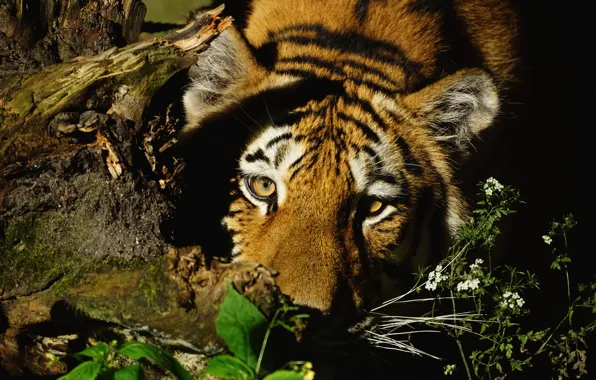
{"points": [[132, 372], [242, 326], [284, 374], [229, 367], [84, 371], [516, 366], [162, 358], [98, 352]]}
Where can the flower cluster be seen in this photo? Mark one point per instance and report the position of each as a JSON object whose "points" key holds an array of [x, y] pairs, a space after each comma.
{"points": [[476, 264], [492, 186], [512, 300], [471, 283], [547, 239], [435, 277], [468, 285]]}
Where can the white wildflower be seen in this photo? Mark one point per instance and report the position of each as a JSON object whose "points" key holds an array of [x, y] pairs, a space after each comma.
{"points": [[468, 285], [492, 186], [495, 184], [435, 277], [474, 284], [476, 264], [547, 239], [511, 300]]}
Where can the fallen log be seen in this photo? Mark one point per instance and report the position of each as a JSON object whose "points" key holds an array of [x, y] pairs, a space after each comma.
{"points": [[83, 173], [176, 299]]}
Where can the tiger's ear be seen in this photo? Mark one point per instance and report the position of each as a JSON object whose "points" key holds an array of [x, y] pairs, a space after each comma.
{"points": [[457, 107], [222, 74]]}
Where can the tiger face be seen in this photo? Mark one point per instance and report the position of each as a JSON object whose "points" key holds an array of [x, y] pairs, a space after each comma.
{"points": [[340, 184]]}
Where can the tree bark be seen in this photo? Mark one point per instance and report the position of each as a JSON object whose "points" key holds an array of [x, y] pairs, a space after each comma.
{"points": [[87, 183], [38, 33]]}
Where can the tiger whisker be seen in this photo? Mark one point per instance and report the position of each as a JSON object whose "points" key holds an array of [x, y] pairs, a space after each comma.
{"points": [[246, 125], [413, 289], [269, 114], [250, 117], [384, 342], [408, 323], [428, 299], [411, 332]]}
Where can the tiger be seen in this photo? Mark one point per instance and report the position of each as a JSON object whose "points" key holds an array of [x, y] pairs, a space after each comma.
{"points": [[346, 122]]}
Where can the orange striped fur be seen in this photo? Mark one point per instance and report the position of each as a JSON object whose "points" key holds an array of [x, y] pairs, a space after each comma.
{"points": [[352, 113]]}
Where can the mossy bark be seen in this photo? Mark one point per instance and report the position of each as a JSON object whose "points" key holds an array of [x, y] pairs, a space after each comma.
{"points": [[78, 148], [87, 184], [176, 299]]}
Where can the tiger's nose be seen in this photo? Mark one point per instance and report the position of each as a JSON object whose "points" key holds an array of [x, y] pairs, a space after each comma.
{"points": [[305, 285]]}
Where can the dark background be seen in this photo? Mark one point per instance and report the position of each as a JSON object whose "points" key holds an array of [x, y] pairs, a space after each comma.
{"points": [[541, 146]]}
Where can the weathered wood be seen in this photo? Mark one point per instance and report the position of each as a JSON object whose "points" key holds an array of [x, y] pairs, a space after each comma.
{"points": [[39, 33], [119, 80]]}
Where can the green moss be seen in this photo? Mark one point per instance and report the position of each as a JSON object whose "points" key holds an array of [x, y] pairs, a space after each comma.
{"points": [[151, 280], [23, 261], [27, 263], [76, 272], [23, 102]]}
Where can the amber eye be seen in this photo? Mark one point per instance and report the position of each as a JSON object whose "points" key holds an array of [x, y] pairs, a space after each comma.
{"points": [[261, 187], [375, 207]]}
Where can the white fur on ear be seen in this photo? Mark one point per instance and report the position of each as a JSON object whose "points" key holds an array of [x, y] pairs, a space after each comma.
{"points": [[218, 73], [459, 106]]}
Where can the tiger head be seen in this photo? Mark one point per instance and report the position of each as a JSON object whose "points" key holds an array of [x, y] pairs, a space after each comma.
{"points": [[341, 188]]}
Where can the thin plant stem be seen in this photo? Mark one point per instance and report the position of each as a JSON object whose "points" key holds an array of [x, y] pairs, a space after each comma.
{"points": [[458, 342], [269, 328]]}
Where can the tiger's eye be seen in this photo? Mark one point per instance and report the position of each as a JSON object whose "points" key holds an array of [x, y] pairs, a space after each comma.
{"points": [[375, 207], [262, 187]]}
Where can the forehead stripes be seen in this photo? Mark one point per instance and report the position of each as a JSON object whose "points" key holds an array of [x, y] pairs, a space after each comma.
{"points": [[346, 42], [307, 65], [352, 56]]}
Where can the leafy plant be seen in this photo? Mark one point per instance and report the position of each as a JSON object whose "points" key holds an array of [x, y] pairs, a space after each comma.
{"points": [[246, 332], [99, 362], [499, 344]]}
